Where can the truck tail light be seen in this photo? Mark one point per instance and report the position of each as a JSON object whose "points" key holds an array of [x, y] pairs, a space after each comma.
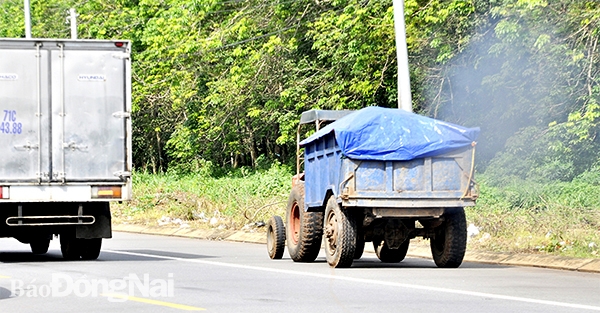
{"points": [[106, 192], [4, 192]]}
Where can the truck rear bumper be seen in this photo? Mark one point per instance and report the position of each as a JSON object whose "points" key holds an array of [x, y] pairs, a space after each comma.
{"points": [[81, 220], [390, 203], [65, 193]]}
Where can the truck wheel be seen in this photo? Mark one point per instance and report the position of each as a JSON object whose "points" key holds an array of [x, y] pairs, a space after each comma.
{"points": [[360, 246], [340, 235], [275, 237], [387, 255], [69, 246], [450, 240], [90, 248], [304, 230], [40, 246]]}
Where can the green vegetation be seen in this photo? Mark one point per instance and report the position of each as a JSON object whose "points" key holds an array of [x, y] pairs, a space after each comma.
{"points": [[229, 200], [559, 218], [219, 84]]}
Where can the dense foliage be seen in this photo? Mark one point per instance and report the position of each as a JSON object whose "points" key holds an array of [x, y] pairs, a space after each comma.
{"points": [[221, 83]]}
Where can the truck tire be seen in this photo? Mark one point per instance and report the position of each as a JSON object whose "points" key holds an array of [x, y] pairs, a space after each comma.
{"points": [[90, 248], [449, 243], [387, 255], [340, 235], [76, 248], [69, 246], [304, 230], [40, 246], [360, 246], [275, 237]]}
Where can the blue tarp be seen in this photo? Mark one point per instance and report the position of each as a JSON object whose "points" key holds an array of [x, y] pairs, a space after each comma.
{"points": [[376, 133]]}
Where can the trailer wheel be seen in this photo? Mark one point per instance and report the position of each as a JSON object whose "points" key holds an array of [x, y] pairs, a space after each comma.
{"points": [[360, 246], [90, 248], [340, 235], [387, 255], [40, 246], [69, 246], [275, 237], [449, 243], [304, 230]]}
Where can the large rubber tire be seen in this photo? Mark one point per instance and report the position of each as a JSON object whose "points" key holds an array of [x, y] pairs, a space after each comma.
{"points": [[40, 246], [340, 235], [69, 246], [387, 255], [304, 230], [74, 248], [275, 237], [360, 246], [449, 244], [89, 249]]}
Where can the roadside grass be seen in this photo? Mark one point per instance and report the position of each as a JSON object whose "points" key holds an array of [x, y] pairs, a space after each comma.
{"points": [[556, 218], [236, 199], [552, 218]]}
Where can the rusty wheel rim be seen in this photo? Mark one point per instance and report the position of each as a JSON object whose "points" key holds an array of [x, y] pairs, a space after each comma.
{"points": [[295, 223], [331, 233], [271, 240]]}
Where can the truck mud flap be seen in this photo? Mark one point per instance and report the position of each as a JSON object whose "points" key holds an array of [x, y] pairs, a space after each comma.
{"points": [[100, 229]]}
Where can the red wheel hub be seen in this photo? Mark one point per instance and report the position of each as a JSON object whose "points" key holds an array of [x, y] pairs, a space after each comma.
{"points": [[295, 223]]}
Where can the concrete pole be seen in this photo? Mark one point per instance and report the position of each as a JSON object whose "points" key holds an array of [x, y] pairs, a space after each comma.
{"points": [[404, 96], [27, 19], [73, 21]]}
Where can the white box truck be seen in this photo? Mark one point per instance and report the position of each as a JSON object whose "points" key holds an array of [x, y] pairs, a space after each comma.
{"points": [[65, 133]]}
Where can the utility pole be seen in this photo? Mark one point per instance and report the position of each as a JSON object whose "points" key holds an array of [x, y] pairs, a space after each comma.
{"points": [[404, 96], [73, 21], [27, 19]]}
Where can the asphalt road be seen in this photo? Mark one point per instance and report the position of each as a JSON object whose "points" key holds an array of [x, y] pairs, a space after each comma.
{"points": [[142, 273]]}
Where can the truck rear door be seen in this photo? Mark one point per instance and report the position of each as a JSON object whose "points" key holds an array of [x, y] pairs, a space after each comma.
{"points": [[64, 111], [88, 114], [23, 97]]}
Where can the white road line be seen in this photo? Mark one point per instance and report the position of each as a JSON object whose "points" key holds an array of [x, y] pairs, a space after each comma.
{"points": [[370, 281]]}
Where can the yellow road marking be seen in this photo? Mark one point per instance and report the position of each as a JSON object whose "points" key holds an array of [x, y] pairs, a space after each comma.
{"points": [[1, 277], [154, 302]]}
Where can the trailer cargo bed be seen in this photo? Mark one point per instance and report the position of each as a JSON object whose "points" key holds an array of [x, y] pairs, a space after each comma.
{"points": [[432, 182]]}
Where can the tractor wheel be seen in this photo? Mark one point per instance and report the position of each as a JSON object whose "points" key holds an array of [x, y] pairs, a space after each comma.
{"points": [[275, 237], [304, 230]]}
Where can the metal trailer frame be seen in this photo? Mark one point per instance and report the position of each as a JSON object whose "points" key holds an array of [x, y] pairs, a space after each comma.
{"points": [[432, 182]]}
